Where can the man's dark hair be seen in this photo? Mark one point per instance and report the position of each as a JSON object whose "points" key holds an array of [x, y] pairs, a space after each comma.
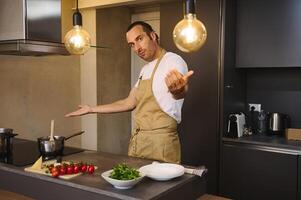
{"points": [[148, 29]]}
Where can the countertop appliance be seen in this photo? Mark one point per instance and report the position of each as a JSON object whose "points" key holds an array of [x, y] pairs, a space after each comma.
{"points": [[236, 123], [6, 138], [26, 152], [31, 27], [278, 122]]}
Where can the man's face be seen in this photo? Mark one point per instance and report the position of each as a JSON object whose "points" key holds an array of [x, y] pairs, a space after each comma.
{"points": [[142, 44]]}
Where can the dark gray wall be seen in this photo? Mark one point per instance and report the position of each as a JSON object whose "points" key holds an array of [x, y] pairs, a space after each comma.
{"points": [[234, 83], [113, 77], [266, 46], [277, 90], [199, 127]]}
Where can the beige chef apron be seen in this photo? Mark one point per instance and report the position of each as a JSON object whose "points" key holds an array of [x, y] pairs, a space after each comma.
{"points": [[155, 133]]}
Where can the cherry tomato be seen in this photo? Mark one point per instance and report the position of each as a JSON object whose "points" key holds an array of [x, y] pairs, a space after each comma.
{"points": [[91, 169], [70, 169], [76, 169], [63, 170], [55, 169], [83, 168], [55, 174]]}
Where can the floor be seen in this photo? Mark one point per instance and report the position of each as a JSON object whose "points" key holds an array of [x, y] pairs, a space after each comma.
{"points": [[6, 195], [211, 197]]}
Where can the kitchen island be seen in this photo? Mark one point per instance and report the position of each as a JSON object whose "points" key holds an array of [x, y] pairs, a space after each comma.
{"points": [[93, 186]]}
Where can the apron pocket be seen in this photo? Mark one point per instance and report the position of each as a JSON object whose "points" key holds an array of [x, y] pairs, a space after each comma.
{"points": [[162, 147], [172, 150]]}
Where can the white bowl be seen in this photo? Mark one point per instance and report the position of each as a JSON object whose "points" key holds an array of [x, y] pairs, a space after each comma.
{"points": [[121, 184], [162, 171]]}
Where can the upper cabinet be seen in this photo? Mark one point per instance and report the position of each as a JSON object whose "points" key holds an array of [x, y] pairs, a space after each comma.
{"points": [[268, 33]]}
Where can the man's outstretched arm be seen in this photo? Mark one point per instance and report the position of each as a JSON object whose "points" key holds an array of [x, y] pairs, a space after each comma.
{"points": [[127, 104]]}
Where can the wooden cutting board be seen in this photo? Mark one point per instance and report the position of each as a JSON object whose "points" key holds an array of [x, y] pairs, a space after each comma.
{"points": [[42, 171], [37, 168]]}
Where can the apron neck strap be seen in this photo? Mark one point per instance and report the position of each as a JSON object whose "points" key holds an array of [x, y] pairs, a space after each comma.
{"points": [[158, 62]]}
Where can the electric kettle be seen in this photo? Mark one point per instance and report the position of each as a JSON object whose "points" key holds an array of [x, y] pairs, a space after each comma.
{"points": [[277, 123]]}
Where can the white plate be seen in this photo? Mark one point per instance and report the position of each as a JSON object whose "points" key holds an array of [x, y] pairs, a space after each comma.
{"points": [[162, 171], [121, 184]]}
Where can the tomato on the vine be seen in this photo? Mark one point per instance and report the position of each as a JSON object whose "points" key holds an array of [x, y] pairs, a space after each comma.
{"points": [[76, 169], [83, 168], [63, 170], [54, 169], [91, 169], [70, 169], [55, 172]]}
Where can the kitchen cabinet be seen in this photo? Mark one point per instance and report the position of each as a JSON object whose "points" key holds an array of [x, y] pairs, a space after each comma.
{"points": [[258, 172], [299, 178], [268, 33]]}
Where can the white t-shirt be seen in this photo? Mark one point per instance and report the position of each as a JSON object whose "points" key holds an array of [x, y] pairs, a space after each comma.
{"points": [[164, 98]]}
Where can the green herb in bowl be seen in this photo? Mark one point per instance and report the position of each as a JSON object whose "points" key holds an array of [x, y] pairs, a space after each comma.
{"points": [[124, 172]]}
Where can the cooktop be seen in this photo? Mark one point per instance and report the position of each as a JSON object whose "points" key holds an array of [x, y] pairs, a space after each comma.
{"points": [[26, 152]]}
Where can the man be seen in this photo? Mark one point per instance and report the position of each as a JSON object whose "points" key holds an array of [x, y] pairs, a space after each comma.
{"points": [[157, 98]]}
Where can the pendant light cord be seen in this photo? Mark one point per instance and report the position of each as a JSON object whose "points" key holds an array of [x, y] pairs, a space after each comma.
{"points": [[77, 17], [189, 6]]}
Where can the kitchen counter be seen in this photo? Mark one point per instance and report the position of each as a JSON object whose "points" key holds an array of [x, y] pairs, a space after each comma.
{"points": [[93, 186], [268, 142]]}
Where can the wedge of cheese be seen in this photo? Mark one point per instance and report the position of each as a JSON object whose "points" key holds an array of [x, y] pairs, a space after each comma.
{"points": [[38, 164]]}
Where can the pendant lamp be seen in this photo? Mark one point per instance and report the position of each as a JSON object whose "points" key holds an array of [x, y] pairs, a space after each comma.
{"points": [[189, 34], [77, 40]]}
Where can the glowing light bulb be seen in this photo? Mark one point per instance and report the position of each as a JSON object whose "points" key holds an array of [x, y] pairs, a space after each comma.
{"points": [[77, 40], [189, 34]]}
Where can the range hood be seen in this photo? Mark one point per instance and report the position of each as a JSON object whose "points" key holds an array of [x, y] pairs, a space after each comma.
{"points": [[31, 28]]}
